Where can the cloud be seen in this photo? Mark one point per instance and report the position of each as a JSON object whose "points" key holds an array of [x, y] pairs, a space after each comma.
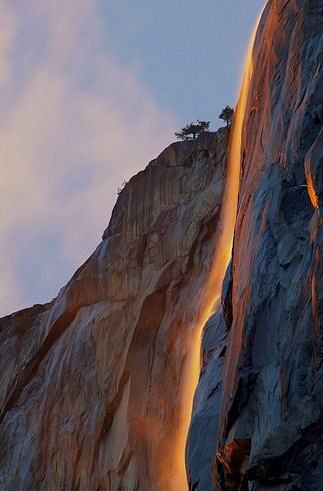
{"points": [[75, 124], [7, 35]]}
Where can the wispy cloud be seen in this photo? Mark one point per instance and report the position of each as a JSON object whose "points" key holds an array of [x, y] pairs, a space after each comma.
{"points": [[7, 35], [75, 123]]}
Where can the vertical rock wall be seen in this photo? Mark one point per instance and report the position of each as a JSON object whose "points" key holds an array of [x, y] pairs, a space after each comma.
{"points": [[270, 434], [91, 393], [91, 384]]}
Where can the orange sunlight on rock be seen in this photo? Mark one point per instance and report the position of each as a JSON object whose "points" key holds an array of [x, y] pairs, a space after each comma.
{"points": [[221, 260]]}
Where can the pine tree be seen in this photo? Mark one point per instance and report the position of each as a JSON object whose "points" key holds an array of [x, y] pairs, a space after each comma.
{"points": [[192, 130], [227, 115]]}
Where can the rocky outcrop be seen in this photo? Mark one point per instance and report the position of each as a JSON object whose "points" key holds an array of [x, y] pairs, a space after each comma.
{"points": [[270, 424], [91, 390]]}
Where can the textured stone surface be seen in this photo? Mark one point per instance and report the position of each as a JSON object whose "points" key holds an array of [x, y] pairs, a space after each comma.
{"points": [[201, 445], [270, 434], [203, 433], [91, 383]]}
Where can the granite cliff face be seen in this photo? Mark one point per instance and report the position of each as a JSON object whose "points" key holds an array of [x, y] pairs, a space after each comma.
{"points": [[263, 400], [92, 384], [96, 385]]}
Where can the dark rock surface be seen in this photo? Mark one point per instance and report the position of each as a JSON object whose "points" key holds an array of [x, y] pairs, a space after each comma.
{"points": [[204, 429], [270, 435], [201, 445]]}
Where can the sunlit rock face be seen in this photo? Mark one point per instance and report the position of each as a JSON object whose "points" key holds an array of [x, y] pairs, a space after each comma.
{"points": [[91, 382], [270, 435]]}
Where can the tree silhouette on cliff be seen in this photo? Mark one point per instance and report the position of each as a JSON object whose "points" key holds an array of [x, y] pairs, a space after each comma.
{"points": [[192, 130], [227, 115]]}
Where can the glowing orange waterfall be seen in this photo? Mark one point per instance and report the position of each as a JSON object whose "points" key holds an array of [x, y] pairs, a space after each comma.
{"points": [[220, 263]]}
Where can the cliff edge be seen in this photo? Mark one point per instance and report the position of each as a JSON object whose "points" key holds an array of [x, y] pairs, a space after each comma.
{"points": [[92, 383]]}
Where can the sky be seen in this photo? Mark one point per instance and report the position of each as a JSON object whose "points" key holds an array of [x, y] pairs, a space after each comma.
{"points": [[90, 92]]}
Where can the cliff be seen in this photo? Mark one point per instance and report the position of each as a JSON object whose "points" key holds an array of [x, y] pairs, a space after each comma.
{"points": [[96, 386], [93, 383], [266, 393]]}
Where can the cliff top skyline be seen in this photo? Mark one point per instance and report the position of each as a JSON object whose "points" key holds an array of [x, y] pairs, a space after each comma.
{"points": [[92, 91]]}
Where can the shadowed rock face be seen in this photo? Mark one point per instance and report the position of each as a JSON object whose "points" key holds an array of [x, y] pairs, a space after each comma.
{"points": [[91, 383], [270, 426], [202, 441]]}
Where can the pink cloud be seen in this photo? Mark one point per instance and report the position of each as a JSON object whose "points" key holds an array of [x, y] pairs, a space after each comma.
{"points": [[78, 124]]}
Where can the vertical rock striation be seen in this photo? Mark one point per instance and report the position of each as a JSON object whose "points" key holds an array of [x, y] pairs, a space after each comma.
{"points": [[270, 424], [91, 383]]}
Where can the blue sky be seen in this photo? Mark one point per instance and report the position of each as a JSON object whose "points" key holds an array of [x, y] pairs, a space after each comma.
{"points": [[90, 91], [188, 54]]}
